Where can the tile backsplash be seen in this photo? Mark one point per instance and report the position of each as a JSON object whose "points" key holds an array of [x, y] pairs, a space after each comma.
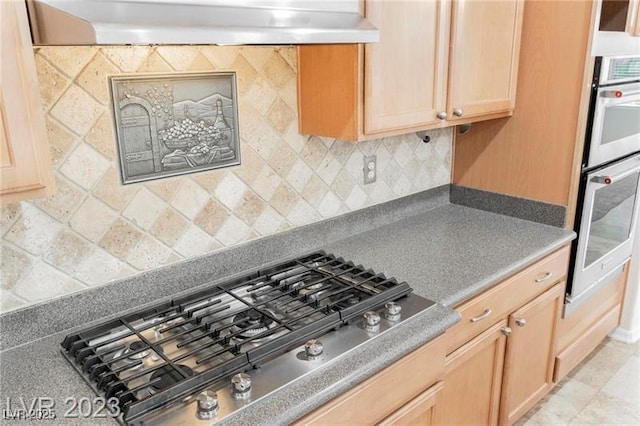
{"points": [[95, 230]]}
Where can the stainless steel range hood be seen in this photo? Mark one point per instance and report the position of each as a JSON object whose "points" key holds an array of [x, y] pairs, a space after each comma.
{"points": [[141, 22]]}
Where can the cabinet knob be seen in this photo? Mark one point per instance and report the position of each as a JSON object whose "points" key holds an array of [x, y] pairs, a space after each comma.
{"points": [[506, 331], [521, 322], [442, 115], [458, 112]]}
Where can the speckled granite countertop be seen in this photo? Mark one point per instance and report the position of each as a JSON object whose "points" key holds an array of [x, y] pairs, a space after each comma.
{"points": [[447, 254]]}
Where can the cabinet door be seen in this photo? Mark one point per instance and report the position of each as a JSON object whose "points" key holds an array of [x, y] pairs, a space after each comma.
{"points": [[472, 381], [405, 73], [421, 411], [483, 60], [24, 152], [531, 351]]}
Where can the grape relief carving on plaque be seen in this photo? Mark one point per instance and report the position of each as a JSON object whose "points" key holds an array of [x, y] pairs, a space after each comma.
{"points": [[173, 124]]}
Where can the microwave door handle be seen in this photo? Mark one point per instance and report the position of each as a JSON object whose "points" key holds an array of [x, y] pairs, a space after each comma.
{"points": [[607, 180]]}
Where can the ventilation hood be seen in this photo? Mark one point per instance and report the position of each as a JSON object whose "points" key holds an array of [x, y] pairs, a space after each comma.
{"points": [[143, 22]]}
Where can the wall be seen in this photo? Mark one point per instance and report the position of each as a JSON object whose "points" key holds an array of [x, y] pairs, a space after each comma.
{"points": [[629, 329], [95, 230]]}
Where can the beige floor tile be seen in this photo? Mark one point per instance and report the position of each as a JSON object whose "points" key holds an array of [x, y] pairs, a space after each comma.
{"points": [[575, 393], [600, 366], [603, 390], [526, 421], [555, 412], [625, 384], [605, 410], [625, 347]]}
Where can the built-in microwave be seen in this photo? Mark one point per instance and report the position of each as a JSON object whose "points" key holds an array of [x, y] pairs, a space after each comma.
{"points": [[615, 126]]}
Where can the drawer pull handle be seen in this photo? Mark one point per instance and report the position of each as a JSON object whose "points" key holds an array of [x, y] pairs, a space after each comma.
{"points": [[521, 322], [485, 314], [544, 277]]}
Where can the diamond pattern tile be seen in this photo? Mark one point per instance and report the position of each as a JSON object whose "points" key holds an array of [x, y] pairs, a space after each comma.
{"points": [[92, 78], [67, 251], [84, 166], [102, 136], [178, 57], [53, 82], [34, 231], [127, 58], [92, 219], [194, 242], [64, 202], [15, 264], [46, 282], [61, 141], [144, 208], [96, 230], [77, 110]]}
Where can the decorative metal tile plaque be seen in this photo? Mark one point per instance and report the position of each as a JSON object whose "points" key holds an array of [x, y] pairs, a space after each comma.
{"points": [[174, 124]]}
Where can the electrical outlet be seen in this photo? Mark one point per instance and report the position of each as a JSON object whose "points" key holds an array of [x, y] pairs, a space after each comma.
{"points": [[370, 169]]}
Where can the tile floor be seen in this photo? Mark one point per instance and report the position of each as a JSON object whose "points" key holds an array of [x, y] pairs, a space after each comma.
{"points": [[603, 390]]}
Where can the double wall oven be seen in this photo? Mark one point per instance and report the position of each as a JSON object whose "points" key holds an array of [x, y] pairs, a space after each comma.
{"points": [[609, 197]]}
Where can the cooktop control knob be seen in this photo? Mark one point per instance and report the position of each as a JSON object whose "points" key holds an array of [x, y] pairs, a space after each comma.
{"points": [[207, 405], [392, 311], [313, 349], [371, 321], [241, 384]]}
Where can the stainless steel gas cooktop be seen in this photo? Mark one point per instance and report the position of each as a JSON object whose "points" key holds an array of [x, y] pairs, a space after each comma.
{"points": [[201, 357]]}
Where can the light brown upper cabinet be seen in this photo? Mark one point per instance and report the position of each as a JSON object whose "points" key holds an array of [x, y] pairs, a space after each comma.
{"points": [[438, 63], [483, 59], [25, 163]]}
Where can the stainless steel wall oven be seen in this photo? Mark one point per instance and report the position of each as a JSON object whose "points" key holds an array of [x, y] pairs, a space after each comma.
{"points": [[609, 196]]}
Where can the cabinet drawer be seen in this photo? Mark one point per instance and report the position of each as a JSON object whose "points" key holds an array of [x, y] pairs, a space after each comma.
{"points": [[484, 310], [422, 410], [381, 395]]}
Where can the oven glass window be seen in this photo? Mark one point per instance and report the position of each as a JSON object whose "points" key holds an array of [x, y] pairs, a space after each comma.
{"points": [[611, 217], [621, 121]]}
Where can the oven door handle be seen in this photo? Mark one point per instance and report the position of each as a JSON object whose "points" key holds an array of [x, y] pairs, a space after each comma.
{"points": [[607, 180], [618, 94]]}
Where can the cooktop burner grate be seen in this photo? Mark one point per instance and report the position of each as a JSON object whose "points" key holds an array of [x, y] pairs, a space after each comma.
{"points": [[160, 355]]}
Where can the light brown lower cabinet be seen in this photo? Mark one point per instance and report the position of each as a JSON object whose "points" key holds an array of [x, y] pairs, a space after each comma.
{"points": [[407, 391], [473, 377], [500, 374], [531, 352], [489, 369], [423, 410]]}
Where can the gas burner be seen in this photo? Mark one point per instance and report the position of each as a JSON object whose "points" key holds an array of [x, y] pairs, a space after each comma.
{"points": [[342, 300], [168, 376], [130, 355], [136, 346], [152, 357], [252, 323]]}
